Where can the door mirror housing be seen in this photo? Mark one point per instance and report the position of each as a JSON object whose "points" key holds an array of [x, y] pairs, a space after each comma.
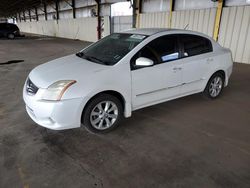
{"points": [[144, 62]]}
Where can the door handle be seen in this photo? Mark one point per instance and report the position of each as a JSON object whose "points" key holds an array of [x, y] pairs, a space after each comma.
{"points": [[177, 68]]}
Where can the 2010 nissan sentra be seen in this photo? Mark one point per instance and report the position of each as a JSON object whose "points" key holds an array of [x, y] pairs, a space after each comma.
{"points": [[123, 72]]}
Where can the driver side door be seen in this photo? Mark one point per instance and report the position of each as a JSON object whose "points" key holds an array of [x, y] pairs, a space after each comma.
{"points": [[157, 83]]}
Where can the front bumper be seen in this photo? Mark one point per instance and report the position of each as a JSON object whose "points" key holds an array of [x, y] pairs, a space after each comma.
{"points": [[56, 115]]}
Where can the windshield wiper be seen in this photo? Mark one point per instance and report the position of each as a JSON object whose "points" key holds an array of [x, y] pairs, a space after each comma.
{"points": [[91, 58]]}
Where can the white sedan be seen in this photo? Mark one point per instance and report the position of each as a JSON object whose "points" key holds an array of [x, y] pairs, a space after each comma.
{"points": [[124, 72]]}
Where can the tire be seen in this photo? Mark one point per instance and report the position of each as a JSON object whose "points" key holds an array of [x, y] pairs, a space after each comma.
{"points": [[10, 36], [215, 86], [102, 114]]}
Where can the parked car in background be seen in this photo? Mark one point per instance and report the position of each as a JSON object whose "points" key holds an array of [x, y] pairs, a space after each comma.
{"points": [[124, 72], [9, 30]]}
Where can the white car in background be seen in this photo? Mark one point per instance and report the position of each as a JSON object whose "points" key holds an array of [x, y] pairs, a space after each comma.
{"points": [[124, 72]]}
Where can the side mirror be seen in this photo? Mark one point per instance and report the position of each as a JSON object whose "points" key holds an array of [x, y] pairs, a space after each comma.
{"points": [[144, 62]]}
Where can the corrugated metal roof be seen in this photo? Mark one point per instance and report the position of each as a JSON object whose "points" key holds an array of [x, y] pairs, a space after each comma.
{"points": [[11, 7]]}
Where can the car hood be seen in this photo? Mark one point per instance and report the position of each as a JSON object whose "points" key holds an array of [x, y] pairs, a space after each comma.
{"points": [[69, 67]]}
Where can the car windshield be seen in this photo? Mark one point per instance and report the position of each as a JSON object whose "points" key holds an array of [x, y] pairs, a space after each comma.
{"points": [[112, 48]]}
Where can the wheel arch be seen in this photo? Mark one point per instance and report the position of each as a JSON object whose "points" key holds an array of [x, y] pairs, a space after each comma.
{"points": [[220, 71], [9, 33], [116, 94]]}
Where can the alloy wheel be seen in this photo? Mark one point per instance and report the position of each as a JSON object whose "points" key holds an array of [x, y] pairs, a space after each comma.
{"points": [[11, 36], [104, 115], [215, 86]]}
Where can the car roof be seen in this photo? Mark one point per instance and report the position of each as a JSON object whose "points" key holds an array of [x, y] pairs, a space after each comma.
{"points": [[11, 24], [145, 31], [7, 23], [152, 31]]}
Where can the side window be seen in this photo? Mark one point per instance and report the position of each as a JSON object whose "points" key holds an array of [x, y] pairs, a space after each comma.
{"points": [[166, 48], [160, 50], [195, 45]]}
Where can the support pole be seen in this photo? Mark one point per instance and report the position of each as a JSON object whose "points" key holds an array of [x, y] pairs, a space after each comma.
{"points": [[36, 13], [57, 9], [73, 4], [217, 19], [17, 18], [98, 19], [134, 14], [172, 3], [29, 15], [138, 12], [20, 20], [45, 11], [24, 18]]}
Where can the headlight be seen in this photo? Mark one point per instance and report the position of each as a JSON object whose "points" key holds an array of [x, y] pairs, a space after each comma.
{"points": [[56, 90]]}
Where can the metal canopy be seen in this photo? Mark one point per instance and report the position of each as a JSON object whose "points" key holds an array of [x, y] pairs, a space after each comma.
{"points": [[10, 8]]}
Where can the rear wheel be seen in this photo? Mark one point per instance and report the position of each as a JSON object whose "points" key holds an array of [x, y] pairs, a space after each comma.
{"points": [[10, 36], [214, 86], [102, 114]]}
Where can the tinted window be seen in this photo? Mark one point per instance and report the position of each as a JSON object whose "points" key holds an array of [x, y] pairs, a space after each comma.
{"points": [[148, 52], [166, 48], [160, 50], [12, 26], [195, 45]]}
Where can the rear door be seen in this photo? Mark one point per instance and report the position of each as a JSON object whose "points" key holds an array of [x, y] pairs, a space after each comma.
{"points": [[196, 58]]}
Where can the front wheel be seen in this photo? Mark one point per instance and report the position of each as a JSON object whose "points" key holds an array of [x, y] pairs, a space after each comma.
{"points": [[102, 114], [10, 36], [214, 86]]}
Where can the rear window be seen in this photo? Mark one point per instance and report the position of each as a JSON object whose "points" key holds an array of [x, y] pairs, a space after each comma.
{"points": [[195, 45]]}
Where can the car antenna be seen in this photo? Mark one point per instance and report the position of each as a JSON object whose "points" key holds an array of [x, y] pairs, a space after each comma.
{"points": [[186, 27]]}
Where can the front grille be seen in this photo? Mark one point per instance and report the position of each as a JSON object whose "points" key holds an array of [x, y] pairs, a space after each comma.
{"points": [[31, 88]]}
